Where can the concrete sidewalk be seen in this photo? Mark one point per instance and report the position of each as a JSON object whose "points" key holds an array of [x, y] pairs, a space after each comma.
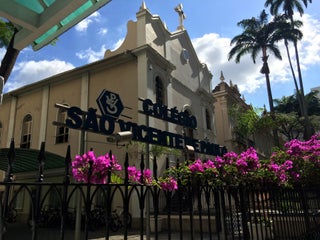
{"points": [[22, 231]]}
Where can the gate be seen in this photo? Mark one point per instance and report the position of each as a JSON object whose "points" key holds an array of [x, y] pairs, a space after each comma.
{"points": [[40, 209]]}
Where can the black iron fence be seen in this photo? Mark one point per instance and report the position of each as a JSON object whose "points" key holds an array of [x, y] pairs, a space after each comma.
{"points": [[61, 209]]}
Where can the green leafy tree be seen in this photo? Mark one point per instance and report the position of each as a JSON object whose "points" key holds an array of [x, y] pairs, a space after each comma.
{"points": [[7, 35], [290, 125], [287, 118], [288, 7], [259, 37], [313, 103], [290, 120], [245, 120], [256, 38], [290, 103], [7, 38], [286, 104], [249, 123]]}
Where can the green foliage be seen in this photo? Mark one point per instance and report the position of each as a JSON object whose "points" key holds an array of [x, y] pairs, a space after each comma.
{"points": [[290, 125], [258, 35], [135, 148], [158, 150], [288, 7], [289, 118], [289, 104], [313, 103], [181, 173], [6, 32], [248, 121]]}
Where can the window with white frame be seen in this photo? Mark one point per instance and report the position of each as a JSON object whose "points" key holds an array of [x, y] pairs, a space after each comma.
{"points": [[62, 132], [26, 131]]}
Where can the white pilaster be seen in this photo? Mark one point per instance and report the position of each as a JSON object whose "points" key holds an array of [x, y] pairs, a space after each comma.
{"points": [[44, 115]]}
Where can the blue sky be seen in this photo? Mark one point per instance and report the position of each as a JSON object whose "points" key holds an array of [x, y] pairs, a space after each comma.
{"points": [[210, 25]]}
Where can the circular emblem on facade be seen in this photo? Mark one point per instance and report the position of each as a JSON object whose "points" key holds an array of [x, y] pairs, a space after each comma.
{"points": [[110, 103]]}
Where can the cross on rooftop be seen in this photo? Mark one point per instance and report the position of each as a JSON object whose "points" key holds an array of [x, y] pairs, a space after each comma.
{"points": [[182, 16]]}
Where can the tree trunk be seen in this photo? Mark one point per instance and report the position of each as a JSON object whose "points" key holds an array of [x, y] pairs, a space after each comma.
{"points": [[304, 111], [9, 59], [294, 76], [265, 70]]}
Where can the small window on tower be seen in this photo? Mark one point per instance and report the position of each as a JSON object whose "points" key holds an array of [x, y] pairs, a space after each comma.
{"points": [[159, 91], [208, 119]]}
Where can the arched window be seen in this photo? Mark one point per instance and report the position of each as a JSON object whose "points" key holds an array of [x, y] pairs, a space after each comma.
{"points": [[26, 132], [159, 90], [62, 132], [189, 131], [208, 119]]}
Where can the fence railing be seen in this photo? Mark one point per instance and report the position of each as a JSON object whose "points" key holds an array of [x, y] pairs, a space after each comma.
{"points": [[67, 210]]}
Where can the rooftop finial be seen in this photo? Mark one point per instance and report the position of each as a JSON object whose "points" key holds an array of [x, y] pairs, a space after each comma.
{"points": [[221, 77], [143, 6], [264, 112], [179, 10]]}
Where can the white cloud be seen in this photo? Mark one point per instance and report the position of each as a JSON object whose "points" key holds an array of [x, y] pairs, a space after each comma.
{"points": [[103, 31], [84, 24], [2, 52], [28, 72], [117, 44], [91, 55], [310, 45], [213, 50]]}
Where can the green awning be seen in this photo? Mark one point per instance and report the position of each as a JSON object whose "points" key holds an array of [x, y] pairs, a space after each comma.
{"points": [[27, 160], [41, 21]]}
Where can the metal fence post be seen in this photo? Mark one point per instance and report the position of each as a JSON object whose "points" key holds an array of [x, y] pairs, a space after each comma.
{"points": [[65, 193], [8, 180], [37, 197]]}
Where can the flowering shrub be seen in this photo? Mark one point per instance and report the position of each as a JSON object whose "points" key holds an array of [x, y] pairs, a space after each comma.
{"points": [[297, 164], [100, 167], [135, 176], [229, 169], [168, 183]]}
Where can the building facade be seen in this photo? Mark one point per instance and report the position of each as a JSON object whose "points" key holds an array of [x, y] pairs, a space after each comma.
{"points": [[228, 98], [152, 63], [153, 86], [317, 90]]}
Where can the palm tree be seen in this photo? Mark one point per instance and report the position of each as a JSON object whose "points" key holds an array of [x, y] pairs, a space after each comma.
{"points": [[259, 35], [290, 103], [290, 32], [288, 7], [7, 35]]}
